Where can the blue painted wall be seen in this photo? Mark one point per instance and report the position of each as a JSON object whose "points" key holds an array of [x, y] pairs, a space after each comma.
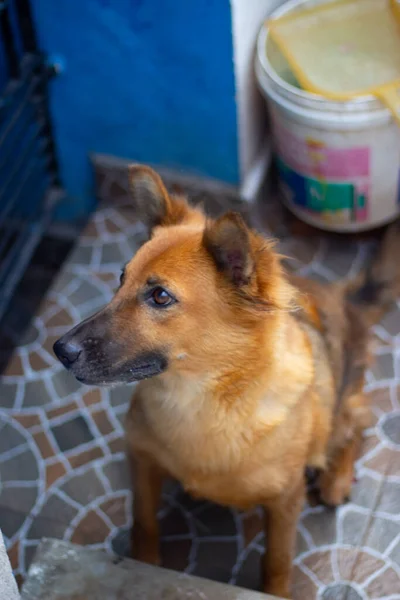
{"points": [[149, 80]]}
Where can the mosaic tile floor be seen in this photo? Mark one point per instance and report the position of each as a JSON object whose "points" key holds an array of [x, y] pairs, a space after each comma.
{"points": [[44, 266], [63, 471]]}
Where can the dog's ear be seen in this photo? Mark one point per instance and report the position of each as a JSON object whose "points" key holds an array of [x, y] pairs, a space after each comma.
{"points": [[228, 241], [154, 204]]}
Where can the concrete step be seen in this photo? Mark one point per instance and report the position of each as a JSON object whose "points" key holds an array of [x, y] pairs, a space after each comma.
{"points": [[64, 571]]}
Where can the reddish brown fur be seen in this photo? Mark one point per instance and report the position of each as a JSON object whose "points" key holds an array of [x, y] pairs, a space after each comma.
{"points": [[265, 375], [257, 390]]}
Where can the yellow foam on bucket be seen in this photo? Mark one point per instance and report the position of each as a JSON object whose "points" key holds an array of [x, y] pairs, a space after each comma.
{"points": [[344, 49]]}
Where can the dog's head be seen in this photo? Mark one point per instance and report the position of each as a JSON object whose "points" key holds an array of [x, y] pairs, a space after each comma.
{"points": [[187, 299]]}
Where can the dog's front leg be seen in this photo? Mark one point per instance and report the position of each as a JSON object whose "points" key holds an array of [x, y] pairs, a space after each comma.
{"points": [[281, 518], [147, 486]]}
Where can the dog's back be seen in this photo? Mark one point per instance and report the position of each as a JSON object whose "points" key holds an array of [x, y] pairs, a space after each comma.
{"points": [[341, 315]]}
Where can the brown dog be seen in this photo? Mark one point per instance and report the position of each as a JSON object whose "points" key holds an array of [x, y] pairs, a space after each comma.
{"points": [[248, 375]]}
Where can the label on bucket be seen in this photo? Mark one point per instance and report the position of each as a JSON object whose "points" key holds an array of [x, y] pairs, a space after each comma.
{"points": [[333, 202], [332, 183]]}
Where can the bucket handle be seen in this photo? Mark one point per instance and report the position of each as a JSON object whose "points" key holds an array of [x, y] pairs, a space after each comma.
{"points": [[395, 5], [390, 96]]}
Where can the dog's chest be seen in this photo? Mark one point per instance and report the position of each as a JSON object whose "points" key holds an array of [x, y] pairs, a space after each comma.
{"points": [[219, 477], [222, 468], [181, 450]]}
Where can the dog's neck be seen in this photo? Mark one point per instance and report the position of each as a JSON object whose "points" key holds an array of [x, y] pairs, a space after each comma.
{"points": [[245, 403], [257, 386]]}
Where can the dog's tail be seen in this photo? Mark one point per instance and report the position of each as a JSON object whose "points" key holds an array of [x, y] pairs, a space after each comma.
{"points": [[377, 287]]}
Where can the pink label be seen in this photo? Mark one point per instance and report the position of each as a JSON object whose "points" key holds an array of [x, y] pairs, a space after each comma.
{"points": [[314, 159]]}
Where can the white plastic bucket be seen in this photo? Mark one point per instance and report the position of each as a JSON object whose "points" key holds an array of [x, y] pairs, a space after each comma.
{"points": [[339, 162]]}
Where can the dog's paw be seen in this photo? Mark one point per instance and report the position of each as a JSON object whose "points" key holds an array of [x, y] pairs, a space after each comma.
{"points": [[335, 491]]}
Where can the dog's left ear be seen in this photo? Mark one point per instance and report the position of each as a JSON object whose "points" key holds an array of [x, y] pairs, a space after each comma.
{"points": [[154, 204], [228, 241]]}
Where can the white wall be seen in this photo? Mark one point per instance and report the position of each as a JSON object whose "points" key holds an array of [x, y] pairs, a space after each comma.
{"points": [[247, 17]]}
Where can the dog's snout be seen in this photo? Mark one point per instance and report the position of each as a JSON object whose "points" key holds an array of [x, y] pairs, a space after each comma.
{"points": [[67, 351]]}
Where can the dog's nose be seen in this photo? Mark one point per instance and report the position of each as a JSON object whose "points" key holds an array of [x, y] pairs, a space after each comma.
{"points": [[67, 352]]}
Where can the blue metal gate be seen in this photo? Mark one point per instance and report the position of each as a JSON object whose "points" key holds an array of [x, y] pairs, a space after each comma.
{"points": [[30, 187]]}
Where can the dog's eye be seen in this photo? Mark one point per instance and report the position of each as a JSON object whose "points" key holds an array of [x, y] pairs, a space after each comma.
{"points": [[161, 298]]}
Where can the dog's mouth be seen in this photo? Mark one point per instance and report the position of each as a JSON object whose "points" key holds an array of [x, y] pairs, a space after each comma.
{"points": [[111, 377]]}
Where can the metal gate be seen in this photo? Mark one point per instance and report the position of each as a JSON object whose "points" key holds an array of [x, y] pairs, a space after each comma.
{"points": [[30, 186]]}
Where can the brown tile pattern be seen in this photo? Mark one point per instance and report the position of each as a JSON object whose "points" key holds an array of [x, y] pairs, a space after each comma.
{"points": [[62, 466]]}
